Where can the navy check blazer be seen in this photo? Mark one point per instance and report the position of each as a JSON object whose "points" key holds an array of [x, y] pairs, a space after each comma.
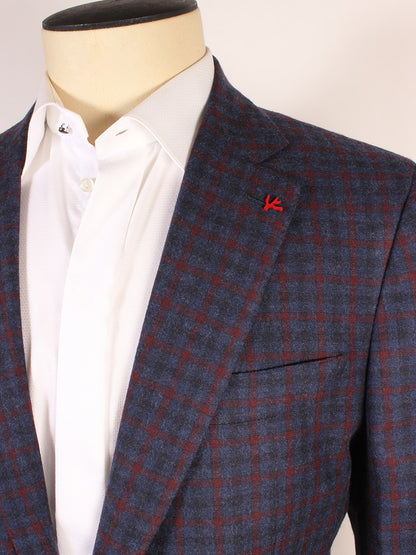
{"points": [[274, 384]]}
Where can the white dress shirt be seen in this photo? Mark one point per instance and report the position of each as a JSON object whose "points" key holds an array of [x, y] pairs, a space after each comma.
{"points": [[94, 219]]}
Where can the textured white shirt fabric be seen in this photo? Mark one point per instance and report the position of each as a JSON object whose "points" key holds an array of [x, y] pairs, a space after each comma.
{"points": [[94, 219]]}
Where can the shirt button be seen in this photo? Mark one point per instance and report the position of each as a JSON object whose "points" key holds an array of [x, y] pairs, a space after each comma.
{"points": [[64, 128], [87, 185]]}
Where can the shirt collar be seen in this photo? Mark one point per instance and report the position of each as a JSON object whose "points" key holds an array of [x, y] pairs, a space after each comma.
{"points": [[172, 113]]}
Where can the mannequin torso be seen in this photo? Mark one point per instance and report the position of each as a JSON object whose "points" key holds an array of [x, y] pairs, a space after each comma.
{"points": [[106, 57]]}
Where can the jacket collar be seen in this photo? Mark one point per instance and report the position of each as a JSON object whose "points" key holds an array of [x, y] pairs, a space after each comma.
{"points": [[218, 256]]}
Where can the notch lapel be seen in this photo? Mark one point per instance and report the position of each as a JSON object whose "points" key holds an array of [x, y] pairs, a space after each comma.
{"points": [[23, 500], [217, 258]]}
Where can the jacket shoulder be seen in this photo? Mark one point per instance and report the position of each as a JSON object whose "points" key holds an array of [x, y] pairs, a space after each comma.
{"points": [[329, 148], [16, 133]]}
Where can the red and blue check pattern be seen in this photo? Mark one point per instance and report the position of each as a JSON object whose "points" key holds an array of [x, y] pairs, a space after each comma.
{"points": [[273, 387]]}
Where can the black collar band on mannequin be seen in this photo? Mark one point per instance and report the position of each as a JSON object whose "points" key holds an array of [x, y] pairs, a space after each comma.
{"points": [[116, 13]]}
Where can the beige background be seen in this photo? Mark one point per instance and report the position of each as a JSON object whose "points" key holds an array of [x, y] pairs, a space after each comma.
{"points": [[348, 66]]}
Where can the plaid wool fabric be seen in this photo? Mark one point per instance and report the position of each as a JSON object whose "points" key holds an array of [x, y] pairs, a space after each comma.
{"points": [[274, 384]]}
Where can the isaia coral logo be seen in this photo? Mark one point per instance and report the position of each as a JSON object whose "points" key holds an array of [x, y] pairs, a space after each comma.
{"points": [[274, 205]]}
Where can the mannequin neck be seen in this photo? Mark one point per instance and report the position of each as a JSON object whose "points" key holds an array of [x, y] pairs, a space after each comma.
{"points": [[103, 73]]}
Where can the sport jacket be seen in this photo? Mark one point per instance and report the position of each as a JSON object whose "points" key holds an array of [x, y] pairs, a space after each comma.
{"points": [[274, 384]]}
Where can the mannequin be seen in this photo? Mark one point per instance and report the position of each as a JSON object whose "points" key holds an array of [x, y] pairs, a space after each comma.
{"points": [[104, 58]]}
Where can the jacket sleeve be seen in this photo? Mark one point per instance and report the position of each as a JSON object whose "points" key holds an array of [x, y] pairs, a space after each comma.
{"points": [[382, 505]]}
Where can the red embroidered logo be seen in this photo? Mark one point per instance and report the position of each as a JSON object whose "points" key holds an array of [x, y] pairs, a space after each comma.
{"points": [[273, 204]]}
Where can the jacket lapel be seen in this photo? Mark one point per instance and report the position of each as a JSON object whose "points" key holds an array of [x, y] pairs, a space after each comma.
{"points": [[217, 258], [23, 499]]}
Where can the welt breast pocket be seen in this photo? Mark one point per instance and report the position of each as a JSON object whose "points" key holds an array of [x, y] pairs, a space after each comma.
{"points": [[295, 393]]}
